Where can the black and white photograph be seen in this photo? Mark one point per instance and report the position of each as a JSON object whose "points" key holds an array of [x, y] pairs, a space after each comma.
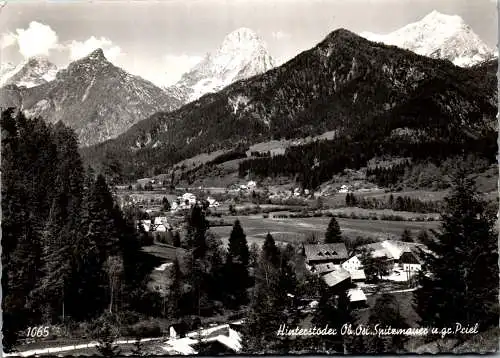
{"points": [[249, 177]]}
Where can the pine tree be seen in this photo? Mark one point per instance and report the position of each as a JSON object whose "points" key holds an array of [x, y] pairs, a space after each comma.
{"points": [[333, 233], [175, 290], [406, 236], [270, 251], [165, 204], [386, 313], [236, 266], [459, 281], [106, 346], [332, 311]]}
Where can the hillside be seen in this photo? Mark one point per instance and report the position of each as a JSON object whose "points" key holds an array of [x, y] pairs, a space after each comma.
{"points": [[345, 83]]}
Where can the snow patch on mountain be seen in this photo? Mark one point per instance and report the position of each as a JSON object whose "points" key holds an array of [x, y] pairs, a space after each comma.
{"points": [[243, 54], [439, 36]]}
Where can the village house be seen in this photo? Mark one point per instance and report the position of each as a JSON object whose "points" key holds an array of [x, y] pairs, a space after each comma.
{"points": [[338, 280], [357, 298], [352, 264], [410, 262], [325, 253]]}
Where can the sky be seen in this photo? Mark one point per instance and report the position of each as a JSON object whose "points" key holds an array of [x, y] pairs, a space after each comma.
{"points": [[160, 40]]}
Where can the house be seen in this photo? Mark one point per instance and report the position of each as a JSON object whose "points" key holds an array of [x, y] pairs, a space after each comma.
{"points": [[146, 224], [352, 264], [392, 249], [338, 280], [187, 198], [325, 253], [160, 224], [410, 262], [344, 189], [357, 298], [251, 185], [212, 203]]}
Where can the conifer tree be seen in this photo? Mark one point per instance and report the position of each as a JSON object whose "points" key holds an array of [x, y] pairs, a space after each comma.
{"points": [[236, 266], [406, 236], [386, 313], [333, 233], [459, 281], [175, 290]]}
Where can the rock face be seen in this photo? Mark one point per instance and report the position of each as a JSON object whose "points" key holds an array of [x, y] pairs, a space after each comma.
{"points": [[439, 36], [243, 54], [345, 84], [95, 98], [33, 72]]}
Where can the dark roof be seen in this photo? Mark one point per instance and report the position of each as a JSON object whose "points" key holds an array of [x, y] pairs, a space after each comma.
{"points": [[325, 251], [408, 258], [324, 268]]}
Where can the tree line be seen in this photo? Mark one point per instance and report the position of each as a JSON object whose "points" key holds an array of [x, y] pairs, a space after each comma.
{"points": [[68, 252], [400, 203]]}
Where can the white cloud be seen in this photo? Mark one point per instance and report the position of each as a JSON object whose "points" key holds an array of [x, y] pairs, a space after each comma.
{"points": [[79, 49], [280, 35], [37, 39], [7, 40], [177, 65]]}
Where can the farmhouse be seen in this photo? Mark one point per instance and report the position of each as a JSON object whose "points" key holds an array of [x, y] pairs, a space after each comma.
{"points": [[325, 253], [410, 262]]}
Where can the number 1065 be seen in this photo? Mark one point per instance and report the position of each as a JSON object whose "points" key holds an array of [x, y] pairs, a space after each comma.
{"points": [[38, 331]]}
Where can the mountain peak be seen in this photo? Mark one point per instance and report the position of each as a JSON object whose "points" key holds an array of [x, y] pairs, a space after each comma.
{"points": [[97, 55], [435, 15], [242, 39], [242, 54], [242, 34], [441, 36]]}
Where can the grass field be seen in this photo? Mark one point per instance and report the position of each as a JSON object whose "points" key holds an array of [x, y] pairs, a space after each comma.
{"points": [[296, 229]]}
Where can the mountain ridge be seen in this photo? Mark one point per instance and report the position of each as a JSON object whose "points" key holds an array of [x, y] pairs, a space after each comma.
{"points": [[341, 84], [94, 97]]}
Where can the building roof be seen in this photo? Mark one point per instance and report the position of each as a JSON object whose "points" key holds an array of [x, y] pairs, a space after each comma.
{"points": [[409, 258], [356, 295], [357, 274], [335, 277], [324, 268], [315, 252], [392, 249]]}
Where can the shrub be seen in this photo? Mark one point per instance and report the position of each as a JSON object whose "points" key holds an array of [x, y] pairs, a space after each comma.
{"points": [[144, 329]]}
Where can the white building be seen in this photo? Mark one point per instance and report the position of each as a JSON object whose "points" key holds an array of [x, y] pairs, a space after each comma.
{"points": [[251, 184], [212, 203], [352, 264], [146, 224]]}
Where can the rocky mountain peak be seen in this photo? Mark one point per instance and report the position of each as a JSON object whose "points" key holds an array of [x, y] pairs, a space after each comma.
{"points": [[242, 54], [441, 36]]}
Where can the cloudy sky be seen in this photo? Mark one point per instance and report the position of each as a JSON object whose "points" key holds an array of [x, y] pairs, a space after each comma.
{"points": [[160, 40]]}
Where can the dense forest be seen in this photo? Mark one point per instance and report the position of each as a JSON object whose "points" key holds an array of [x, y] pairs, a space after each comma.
{"points": [[315, 163], [68, 252]]}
